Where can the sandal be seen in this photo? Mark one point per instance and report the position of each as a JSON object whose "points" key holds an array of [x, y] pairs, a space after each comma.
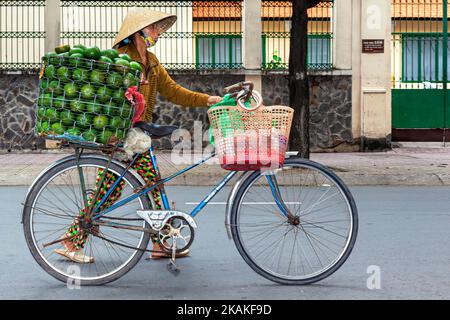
{"points": [[75, 256]]}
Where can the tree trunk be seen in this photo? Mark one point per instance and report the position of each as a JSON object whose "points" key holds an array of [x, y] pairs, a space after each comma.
{"points": [[298, 77]]}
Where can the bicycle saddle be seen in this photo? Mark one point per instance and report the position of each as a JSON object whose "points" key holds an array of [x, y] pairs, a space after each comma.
{"points": [[154, 130]]}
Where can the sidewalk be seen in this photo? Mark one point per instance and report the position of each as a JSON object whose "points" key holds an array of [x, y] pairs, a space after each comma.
{"points": [[404, 166]]}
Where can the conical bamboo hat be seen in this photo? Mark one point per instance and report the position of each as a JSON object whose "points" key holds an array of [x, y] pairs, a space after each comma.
{"points": [[139, 19]]}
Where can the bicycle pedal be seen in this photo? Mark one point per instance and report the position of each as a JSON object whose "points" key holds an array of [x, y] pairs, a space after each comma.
{"points": [[172, 268]]}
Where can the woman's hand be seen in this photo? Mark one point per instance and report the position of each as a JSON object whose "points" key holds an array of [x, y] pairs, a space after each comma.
{"points": [[212, 100]]}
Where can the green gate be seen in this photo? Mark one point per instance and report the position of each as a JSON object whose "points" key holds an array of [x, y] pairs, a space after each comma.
{"points": [[420, 70]]}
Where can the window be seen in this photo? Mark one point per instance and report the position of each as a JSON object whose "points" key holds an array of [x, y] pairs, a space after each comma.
{"points": [[276, 52], [422, 58], [219, 52], [319, 52]]}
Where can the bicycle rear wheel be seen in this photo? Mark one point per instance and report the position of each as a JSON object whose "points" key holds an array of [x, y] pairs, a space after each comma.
{"points": [[310, 249], [55, 202]]}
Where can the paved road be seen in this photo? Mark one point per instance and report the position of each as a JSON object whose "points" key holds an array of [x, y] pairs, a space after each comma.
{"points": [[403, 230]]}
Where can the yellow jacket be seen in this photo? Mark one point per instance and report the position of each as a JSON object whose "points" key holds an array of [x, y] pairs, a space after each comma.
{"points": [[160, 81]]}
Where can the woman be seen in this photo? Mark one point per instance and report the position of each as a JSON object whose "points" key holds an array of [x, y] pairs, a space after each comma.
{"points": [[139, 32]]}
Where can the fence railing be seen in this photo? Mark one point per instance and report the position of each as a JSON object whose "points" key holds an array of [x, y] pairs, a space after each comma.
{"points": [[207, 34], [276, 25], [22, 34]]}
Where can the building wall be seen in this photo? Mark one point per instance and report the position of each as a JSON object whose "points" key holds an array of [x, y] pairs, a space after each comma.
{"points": [[330, 108]]}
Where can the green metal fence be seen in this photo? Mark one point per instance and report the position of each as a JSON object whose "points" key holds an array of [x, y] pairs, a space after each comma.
{"points": [[276, 25], [207, 34], [22, 34]]}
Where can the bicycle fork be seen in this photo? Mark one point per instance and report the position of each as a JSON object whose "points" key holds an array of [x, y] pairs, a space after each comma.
{"points": [[274, 188]]}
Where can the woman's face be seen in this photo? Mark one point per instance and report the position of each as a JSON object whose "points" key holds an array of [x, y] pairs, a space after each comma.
{"points": [[152, 31]]}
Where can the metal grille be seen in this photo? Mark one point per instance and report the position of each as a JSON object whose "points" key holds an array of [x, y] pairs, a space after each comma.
{"points": [[419, 44], [206, 35], [22, 35], [276, 25]]}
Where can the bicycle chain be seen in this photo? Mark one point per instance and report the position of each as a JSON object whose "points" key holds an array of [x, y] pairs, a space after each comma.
{"points": [[124, 245]]}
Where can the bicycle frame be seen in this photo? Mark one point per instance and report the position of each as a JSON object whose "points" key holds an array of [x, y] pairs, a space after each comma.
{"points": [[270, 178]]}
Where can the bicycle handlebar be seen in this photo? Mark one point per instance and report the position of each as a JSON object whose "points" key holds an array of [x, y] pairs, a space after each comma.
{"points": [[244, 85]]}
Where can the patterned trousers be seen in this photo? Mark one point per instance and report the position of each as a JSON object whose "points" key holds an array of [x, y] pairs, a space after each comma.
{"points": [[143, 166]]}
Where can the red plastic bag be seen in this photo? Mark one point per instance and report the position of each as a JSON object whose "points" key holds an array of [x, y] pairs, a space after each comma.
{"points": [[138, 101]]}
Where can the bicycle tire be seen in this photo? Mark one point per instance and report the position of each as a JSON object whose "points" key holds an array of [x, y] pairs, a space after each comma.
{"points": [[42, 181], [237, 238]]}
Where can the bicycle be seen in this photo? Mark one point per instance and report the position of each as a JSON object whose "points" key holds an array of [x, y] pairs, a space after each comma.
{"points": [[294, 225]]}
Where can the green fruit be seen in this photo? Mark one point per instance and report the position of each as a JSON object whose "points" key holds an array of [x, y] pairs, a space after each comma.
{"points": [[50, 71], [122, 65], [104, 137], [51, 114], [114, 79], [126, 112], [76, 50], [110, 53], [59, 102], [125, 56], [87, 91], [84, 120], [93, 107], [80, 75], [48, 57], [130, 80], [58, 128], [120, 134], [92, 53], [67, 117], [136, 66], [127, 123], [111, 109], [104, 94], [97, 77], [77, 106], [64, 59], [71, 90], [75, 60], [116, 122], [104, 63], [43, 85], [119, 95], [41, 112], [54, 87], [45, 100], [62, 49], [63, 73], [100, 122], [74, 132], [43, 127], [89, 135]]}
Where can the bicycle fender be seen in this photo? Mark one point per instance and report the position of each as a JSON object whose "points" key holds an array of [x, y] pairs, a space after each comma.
{"points": [[73, 156], [230, 201]]}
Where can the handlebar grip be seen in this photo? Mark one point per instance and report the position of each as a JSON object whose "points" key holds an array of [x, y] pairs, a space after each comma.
{"points": [[239, 86]]}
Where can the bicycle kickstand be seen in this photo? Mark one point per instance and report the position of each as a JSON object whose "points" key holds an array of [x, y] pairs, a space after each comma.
{"points": [[171, 265]]}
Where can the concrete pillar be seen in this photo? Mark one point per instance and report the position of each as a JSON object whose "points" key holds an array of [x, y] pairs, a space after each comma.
{"points": [[371, 73], [342, 34], [252, 41], [52, 24]]}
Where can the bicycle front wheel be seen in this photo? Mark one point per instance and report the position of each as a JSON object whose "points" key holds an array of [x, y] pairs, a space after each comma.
{"points": [[301, 252], [54, 207]]}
